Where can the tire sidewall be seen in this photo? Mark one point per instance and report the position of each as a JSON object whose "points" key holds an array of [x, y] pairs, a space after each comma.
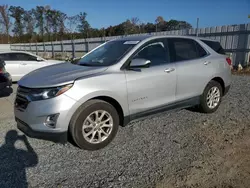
{"points": [[204, 97], [80, 140]]}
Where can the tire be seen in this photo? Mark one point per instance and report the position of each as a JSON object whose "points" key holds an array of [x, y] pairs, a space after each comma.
{"points": [[204, 106], [81, 116]]}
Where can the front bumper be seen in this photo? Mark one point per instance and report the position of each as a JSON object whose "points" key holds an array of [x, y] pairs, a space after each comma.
{"points": [[31, 118], [61, 137]]}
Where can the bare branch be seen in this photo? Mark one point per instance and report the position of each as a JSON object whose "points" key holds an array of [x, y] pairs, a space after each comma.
{"points": [[5, 19]]}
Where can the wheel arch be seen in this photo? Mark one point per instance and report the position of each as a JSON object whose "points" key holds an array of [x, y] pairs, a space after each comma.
{"points": [[221, 82], [111, 100], [115, 104]]}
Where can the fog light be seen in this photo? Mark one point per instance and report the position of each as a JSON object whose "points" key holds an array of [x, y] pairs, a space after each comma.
{"points": [[51, 120]]}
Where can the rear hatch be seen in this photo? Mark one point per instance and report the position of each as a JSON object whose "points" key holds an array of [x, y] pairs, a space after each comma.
{"points": [[216, 46]]}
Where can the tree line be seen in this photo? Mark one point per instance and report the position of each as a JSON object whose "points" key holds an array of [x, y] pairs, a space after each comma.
{"points": [[42, 24]]}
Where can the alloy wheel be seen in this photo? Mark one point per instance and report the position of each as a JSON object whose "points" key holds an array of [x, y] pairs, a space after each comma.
{"points": [[213, 97], [97, 126]]}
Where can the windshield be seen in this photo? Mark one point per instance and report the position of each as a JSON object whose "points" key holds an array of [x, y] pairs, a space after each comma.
{"points": [[108, 54]]}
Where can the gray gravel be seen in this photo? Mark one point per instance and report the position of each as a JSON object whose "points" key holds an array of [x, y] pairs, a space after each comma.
{"points": [[143, 154]]}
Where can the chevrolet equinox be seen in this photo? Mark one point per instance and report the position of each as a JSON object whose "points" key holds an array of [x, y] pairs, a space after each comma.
{"points": [[120, 81]]}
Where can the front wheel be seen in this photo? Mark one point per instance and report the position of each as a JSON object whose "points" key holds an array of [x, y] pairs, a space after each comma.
{"points": [[94, 125], [211, 98]]}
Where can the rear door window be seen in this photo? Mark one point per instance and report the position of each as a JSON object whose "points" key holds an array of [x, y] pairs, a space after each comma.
{"points": [[215, 46], [25, 57], [17, 57], [3, 57], [182, 49], [11, 57]]}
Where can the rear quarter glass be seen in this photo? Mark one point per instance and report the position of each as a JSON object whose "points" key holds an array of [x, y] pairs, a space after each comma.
{"points": [[216, 46]]}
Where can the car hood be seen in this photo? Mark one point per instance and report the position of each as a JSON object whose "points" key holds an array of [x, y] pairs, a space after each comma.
{"points": [[52, 61], [56, 75]]}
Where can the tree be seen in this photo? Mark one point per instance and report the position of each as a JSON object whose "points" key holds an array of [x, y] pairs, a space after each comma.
{"points": [[72, 23], [48, 15], [102, 32], [61, 19], [135, 21], [54, 22], [109, 31], [17, 13], [29, 21], [172, 25], [149, 27], [1, 33], [159, 19], [84, 26], [159, 23], [184, 25], [127, 27], [39, 14], [45, 24], [5, 20]]}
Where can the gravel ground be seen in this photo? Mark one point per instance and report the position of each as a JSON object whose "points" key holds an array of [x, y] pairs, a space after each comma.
{"points": [[173, 149]]}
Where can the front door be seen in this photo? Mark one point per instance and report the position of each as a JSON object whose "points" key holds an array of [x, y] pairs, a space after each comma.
{"points": [[152, 87]]}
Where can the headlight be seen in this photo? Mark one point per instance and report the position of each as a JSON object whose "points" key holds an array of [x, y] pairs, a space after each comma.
{"points": [[41, 94]]}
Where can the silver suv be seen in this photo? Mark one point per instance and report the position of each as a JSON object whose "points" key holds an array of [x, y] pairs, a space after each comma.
{"points": [[117, 82]]}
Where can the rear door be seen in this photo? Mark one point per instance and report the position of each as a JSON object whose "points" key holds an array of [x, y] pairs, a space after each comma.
{"points": [[193, 66], [29, 63]]}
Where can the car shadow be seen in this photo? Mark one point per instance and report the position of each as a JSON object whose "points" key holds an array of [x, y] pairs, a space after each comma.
{"points": [[6, 92], [13, 161], [193, 109]]}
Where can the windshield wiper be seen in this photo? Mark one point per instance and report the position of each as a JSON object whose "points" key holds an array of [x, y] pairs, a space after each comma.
{"points": [[86, 64], [92, 64]]}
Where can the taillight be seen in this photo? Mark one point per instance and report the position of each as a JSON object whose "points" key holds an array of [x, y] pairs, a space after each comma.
{"points": [[229, 61], [2, 70]]}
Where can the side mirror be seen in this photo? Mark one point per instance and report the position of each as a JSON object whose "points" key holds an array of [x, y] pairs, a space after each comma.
{"points": [[139, 63], [39, 59]]}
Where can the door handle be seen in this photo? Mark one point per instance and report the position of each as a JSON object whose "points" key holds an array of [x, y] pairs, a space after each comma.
{"points": [[169, 70], [207, 62]]}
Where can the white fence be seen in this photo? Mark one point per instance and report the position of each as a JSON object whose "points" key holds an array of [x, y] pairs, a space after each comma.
{"points": [[235, 39], [4, 47]]}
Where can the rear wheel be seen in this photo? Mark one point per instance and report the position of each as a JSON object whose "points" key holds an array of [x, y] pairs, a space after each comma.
{"points": [[211, 97], [94, 125]]}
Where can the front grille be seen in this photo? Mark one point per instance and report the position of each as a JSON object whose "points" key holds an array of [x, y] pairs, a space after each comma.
{"points": [[22, 97], [21, 102]]}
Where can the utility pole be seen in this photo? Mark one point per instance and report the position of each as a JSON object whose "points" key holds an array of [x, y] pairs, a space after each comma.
{"points": [[197, 27]]}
